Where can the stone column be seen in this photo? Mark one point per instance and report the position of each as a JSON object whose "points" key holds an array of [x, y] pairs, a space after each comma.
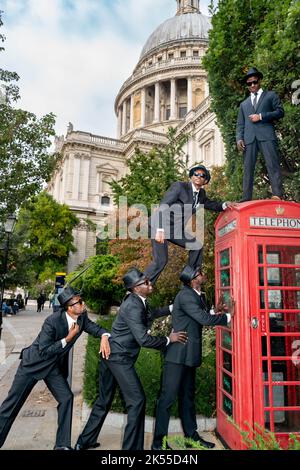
{"points": [[189, 95], [143, 107], [157, 103], [124, 118], [173, 114], [76, 177], [131, 112], [86, 177], [119, 130]]}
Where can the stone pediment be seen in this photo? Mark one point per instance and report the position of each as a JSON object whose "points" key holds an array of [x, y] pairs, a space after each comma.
{"points": [[107, 168]]}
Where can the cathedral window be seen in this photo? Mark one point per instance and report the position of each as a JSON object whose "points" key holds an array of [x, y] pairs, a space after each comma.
{"points": [[105, 201], [159, 58], [195, 53], [171, 55], [182, 53], [182, 111]]}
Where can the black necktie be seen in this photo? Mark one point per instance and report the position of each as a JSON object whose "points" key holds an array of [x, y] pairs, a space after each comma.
{"points": [[255, 101], [195, 199]]}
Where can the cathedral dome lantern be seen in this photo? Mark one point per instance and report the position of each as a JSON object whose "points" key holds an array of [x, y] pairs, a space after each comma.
{"points": [[168, 81]]}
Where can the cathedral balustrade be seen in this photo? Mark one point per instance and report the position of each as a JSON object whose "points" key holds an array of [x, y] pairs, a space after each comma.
{"points": [[164, 65], [95, 140]]}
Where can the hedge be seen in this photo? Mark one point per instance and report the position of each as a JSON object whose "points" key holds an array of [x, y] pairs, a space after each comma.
{"points": [[149, 367]]}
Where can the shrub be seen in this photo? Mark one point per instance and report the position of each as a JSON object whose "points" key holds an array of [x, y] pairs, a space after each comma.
{"points": [[149, 367]]}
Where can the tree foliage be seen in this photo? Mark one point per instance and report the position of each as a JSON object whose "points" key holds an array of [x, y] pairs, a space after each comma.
{"points": [[42, 240], [265, 34], [150, 174], [97, 284], [25, 163]]}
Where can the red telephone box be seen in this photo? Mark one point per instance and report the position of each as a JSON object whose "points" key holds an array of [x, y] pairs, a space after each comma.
{"points": [[258, 358]]}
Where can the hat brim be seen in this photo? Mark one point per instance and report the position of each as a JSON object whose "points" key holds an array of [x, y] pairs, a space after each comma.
{"points": [[137, 283], [254, 74]]}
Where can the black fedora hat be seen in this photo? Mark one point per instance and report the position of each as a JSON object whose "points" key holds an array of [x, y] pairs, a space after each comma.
{"points": [[188, 274], [67, 294], [253, 72], [133, 277], [202, 168]]}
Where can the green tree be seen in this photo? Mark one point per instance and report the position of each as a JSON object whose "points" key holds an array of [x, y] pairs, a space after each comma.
{"points": [[42, 240], [263, 33], [25, 163], [97, 284], [150, 174]]}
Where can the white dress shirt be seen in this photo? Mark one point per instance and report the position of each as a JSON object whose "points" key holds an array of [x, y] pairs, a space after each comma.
{"points": [[71, 322], [259, 93], [170, 308]]}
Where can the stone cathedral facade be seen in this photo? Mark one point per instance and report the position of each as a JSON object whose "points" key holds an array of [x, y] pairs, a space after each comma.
{"points": [[168, 87]]}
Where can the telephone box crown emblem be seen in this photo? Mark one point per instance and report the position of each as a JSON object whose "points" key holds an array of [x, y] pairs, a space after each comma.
{"points": [[279, 210]]}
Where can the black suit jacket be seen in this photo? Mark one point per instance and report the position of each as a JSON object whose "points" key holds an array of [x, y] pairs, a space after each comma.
{"points": [[129, 330], [47, 352], [270, 108], [179, 194], [189, 314]]}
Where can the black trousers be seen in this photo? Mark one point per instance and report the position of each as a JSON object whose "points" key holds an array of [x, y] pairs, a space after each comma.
{"points": [[160, 257], [269, 149], [178, 380], [124, 374], [21, 387]]}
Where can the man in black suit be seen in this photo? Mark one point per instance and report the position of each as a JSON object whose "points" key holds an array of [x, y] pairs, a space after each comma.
{"points": [[129, 333], [47, 359], [255, 132], [170, 223], [190, 313]]}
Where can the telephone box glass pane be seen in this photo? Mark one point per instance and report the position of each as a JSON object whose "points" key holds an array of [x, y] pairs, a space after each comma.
{"points": [[286, 395], [286, 254], [289, 370], [227, 383], [287, 421], [226, 339], [227, 405], [224, 258], [227, 361], [225, 277], [284, 345], [284, 322]]}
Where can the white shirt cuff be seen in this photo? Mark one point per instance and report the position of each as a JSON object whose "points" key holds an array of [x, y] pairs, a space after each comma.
{"points": [[106, 334], [260, 116], [171, 308], [160, 230], [224, 206], [228, 317], [168, 340], [64, 342]]}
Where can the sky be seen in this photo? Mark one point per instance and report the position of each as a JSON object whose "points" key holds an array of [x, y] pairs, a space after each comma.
{"points": [[73, 56]]}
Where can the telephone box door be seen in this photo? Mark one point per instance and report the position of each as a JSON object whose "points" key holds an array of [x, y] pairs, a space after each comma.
{"points": [[274, 268]]}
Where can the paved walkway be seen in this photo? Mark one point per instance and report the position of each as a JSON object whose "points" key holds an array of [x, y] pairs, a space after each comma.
{"points": [[35, 426]]}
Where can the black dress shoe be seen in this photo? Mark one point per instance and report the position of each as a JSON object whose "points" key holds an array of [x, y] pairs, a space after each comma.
{"points": [[202, 442], [63, 448], [87, 446], [153, 447]]}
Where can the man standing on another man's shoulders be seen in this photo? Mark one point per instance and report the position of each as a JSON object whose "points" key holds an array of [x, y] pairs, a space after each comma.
{"points": [[255, 132]]}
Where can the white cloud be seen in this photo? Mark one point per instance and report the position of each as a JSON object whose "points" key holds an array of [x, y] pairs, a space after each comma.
{"points": [[73, 62]]}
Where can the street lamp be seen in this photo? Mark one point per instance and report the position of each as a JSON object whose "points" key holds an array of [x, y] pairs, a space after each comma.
{"points": [[9, 225]]}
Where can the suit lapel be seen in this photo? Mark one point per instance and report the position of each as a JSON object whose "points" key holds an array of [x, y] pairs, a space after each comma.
{"points": [[262, 97], [64, 323]]}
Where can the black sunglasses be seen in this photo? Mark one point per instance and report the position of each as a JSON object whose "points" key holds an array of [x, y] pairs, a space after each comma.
{"points": [[200, 175], [146, 281], [80, 301], [254, 82]]}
